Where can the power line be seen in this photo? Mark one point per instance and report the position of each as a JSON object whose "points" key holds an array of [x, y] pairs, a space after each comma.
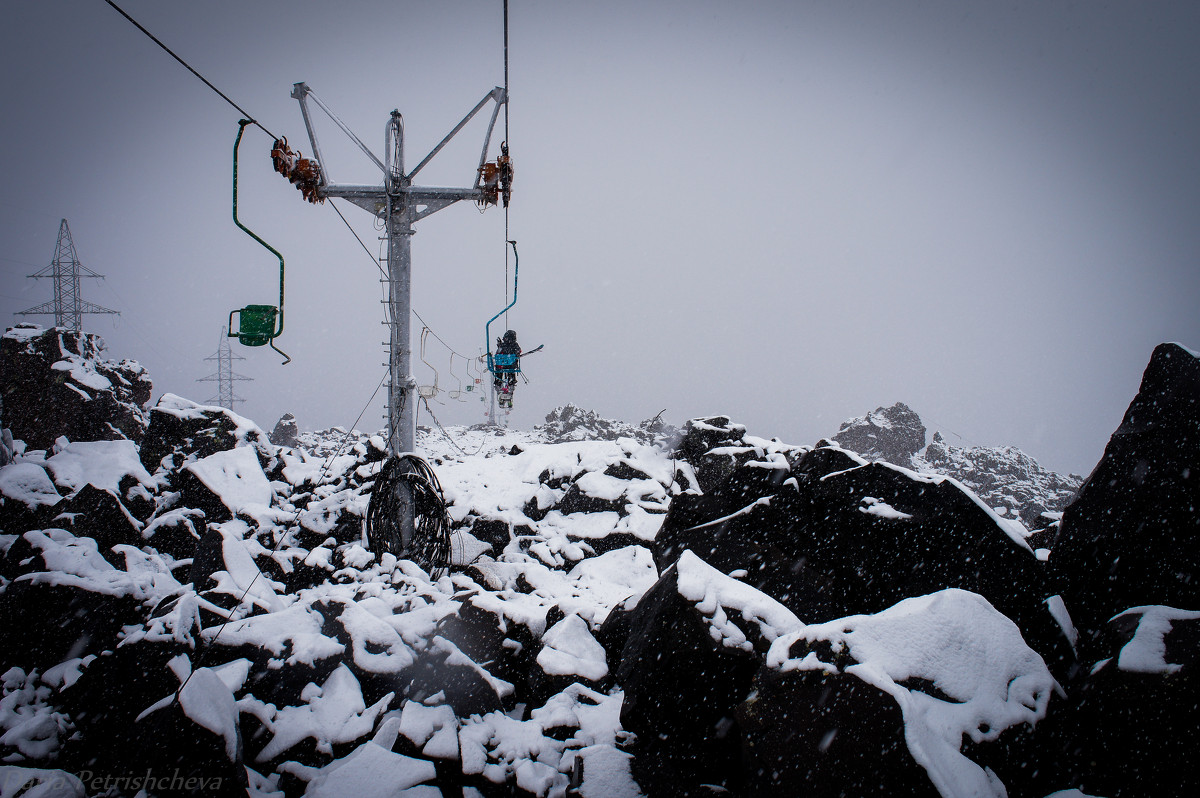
{"points": [[189, 68]]}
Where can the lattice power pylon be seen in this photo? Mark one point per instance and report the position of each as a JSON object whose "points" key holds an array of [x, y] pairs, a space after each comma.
{"points": [[68, 306], [225, 376]]}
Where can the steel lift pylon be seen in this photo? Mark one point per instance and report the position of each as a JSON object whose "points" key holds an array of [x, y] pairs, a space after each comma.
{"points": [[399, 205]]}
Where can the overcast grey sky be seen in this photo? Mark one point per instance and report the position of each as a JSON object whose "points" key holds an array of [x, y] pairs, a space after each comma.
{"points": [[788, 212]]}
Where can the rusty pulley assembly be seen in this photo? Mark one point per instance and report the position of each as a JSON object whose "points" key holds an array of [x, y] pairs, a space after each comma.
{"points": [[303, 173], [495, 179]]}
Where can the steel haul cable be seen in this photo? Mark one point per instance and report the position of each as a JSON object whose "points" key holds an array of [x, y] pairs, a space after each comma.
{"points": [[189, 68]]}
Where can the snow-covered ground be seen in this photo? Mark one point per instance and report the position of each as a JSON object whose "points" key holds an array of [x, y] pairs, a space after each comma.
{"points": [[628, 610]]}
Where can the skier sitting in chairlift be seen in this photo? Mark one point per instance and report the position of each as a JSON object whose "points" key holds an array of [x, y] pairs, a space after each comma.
{"points": [[507, 365]]}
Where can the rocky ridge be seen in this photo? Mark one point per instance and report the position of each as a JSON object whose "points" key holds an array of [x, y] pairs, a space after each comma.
{"points": [[1007, 479], [57, 382]]}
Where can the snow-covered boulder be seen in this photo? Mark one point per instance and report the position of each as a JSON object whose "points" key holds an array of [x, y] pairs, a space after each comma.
{"points": [[681, 686], [57, 382], [98, 515], [957, 670], [714, 447], [1130, 729], [372, 770], [227, 484], [832, 535], [186, 431], [28, 497], [724, 685], [192, 734], [65, 599]]}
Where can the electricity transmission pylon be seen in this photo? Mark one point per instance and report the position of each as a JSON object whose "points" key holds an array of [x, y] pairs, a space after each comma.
{"points": [[68, 306], [225, 376]]}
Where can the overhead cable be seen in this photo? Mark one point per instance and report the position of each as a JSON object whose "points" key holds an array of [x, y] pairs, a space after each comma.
{"points": [[189, 68]]}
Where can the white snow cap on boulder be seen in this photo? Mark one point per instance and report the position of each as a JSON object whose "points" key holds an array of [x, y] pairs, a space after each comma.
{"points": [[236, 477], [29, 484], [956, 640], [100, 463]]}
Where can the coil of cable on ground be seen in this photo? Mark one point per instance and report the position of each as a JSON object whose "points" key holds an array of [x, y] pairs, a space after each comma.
{"points": [[430, 546]]}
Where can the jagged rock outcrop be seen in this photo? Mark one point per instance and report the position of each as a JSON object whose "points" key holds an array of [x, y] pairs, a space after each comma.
{"points": [[715, 448], [181, 431], [1007, 479], [286, 432], [57, 382], [571, 423], [893, 434], [1004, 477], [725, 686], [1132, 537]]}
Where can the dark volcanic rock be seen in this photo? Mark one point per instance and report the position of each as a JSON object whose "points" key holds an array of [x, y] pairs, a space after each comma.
{"points": [[1130, 730], [464, 685], [172, 740], [175, 532], [681, 687], [830, 543], [98, 514], [1132, 537], [576, 500], [714, 448], [893, 434], [57, 383], [812, 733], [508, 648], [286, 433], [184, 430], [28, 498], [48, 617]]}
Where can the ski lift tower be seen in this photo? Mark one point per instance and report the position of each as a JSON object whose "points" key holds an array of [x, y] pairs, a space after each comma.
{"points": [[399, 204]]}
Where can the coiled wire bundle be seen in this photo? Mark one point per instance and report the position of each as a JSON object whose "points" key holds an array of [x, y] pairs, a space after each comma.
{"points": [[400, 478]]}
